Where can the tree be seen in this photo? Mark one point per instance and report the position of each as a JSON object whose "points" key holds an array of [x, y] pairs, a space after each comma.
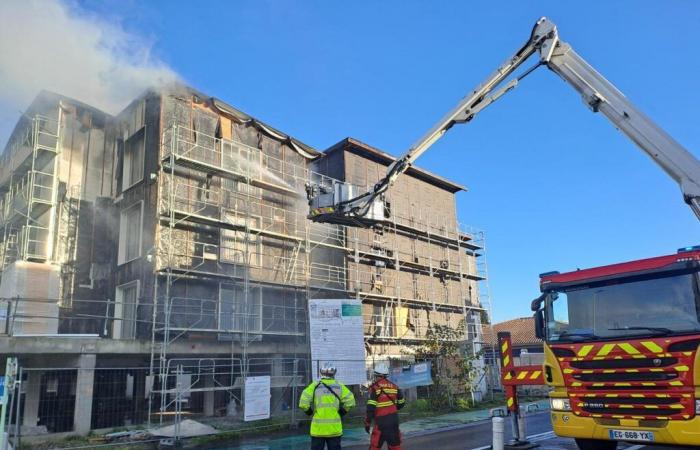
{"points": [[454, 365]]}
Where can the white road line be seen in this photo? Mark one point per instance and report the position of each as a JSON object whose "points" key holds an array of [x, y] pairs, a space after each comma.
{"points": [[635, 447], [531, 438], [547, 435]]}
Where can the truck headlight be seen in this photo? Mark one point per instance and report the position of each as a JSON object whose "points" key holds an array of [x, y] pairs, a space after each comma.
{"points": [[697, 406], [560, 404]]}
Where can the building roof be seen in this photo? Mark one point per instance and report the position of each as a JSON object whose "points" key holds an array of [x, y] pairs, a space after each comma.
{"points": [[360, 148], [522, 332]]}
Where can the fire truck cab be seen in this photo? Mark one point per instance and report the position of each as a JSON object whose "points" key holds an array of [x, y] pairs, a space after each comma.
{"points": [[621, 351]]}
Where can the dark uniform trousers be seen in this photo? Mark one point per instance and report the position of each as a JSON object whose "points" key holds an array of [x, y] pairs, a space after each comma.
{"points": [[319, 443]]}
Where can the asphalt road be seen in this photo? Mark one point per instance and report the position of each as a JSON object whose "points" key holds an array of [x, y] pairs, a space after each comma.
{"points": [[477, 436], [465, 437]]}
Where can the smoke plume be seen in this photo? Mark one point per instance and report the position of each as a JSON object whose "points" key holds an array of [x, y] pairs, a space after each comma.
{"points": [[54, 45]]}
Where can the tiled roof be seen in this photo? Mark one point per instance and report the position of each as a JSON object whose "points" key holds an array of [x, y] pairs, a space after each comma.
{"points": [[522, 332]]}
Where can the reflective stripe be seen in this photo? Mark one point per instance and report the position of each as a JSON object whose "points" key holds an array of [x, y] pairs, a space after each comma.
{"points": [[321, 420], [605, 349], [651, 346], [629, 348], [586, 349], [372, 402]]}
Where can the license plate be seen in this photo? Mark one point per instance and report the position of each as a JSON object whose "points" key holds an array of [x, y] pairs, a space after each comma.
{"points": [[630, 435]]}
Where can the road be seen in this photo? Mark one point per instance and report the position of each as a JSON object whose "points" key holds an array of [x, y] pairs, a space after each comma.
{"points": [[477, 436]]}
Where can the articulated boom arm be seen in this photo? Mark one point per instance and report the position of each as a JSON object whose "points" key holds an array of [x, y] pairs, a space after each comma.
{"points": [[599, 94]]}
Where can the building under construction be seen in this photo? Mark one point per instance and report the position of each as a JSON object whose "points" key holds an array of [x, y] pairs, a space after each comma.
{"points": [[170, 245]]}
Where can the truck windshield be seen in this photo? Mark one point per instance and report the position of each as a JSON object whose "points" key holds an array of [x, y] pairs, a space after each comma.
{"points": [[657, 306]]}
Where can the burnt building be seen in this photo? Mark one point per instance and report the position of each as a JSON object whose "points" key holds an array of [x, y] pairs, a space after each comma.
{"points": [[165, 253]]}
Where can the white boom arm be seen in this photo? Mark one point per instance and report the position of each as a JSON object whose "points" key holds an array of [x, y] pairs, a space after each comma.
{"points": [[598, 93]]}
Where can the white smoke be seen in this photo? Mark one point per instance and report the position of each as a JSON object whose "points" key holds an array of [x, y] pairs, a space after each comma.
{"points": [[54, 45]]}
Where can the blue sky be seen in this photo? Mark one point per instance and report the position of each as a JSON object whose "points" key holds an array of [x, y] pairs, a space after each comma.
{"points": [[555, 186]]}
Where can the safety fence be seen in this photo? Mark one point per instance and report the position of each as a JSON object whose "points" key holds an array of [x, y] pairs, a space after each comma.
{"points": [[85, 405]]}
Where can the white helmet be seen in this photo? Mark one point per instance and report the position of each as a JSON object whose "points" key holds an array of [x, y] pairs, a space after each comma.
{"points": [[328, 370], [381, 369]]}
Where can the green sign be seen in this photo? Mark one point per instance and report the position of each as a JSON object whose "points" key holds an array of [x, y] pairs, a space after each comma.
{"points": [[350, 310]]}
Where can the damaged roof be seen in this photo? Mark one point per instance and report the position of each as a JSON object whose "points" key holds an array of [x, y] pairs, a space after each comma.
{"points": [[360, 148]]}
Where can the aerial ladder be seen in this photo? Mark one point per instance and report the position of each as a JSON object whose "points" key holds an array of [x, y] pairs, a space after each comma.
{"points": [[341, 204]]}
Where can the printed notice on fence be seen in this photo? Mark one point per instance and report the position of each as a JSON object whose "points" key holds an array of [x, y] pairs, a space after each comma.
{"points": [[257, 398], [337, 337]]}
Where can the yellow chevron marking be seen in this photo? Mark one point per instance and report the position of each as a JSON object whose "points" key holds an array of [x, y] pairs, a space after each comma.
{"points": [[585, 350], [652, 347], [686, 416], [676, 406], [508, 376], [687, 353], [586, 371], [611, 395], [609, 371], [656, 370], [676, 383], [638, 417], [618, 417], [663, 395], [504, 347], [576, 384], [686, 395], [629, 348], [510, 402], [567, 371], [651, 406], [623, 384], [598, 384], [648, 384], [605, 349], [638, 395], [596, 415], [626, 406], [631, 370], [506, 360], [535, 374], [682, 368], [638, 356], [580, 405], [522, 375]]}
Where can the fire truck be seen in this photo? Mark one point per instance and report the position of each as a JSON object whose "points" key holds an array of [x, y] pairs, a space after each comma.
{"points": [[621, 351], [621, 341]]}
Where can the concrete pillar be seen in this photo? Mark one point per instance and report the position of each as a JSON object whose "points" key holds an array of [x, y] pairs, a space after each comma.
{"points": [[32, 395], [82, 415], [209, 396]]}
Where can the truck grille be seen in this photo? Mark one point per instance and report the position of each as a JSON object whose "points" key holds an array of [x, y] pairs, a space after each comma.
{"points": [[629, 379]]}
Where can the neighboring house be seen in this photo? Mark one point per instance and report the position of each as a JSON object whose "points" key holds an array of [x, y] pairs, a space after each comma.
{"points": [[522, 334], [169, 246]]}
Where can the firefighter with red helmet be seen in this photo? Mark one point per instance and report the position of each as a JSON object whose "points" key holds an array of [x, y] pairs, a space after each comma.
{"points": [[385, 400]]}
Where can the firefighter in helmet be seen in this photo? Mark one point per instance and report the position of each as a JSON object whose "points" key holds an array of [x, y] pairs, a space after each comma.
{"points": [[327, 401], [385, 400]]}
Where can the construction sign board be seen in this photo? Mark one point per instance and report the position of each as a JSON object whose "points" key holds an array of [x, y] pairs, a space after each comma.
{"points": [[257, 398], [337, 337]]}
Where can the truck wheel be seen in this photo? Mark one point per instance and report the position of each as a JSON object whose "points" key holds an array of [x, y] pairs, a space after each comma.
{"points": [[592, 444]]}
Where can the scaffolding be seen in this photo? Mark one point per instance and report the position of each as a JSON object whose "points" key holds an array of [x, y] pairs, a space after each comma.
{"points": [[28, 185], [234, 216]]}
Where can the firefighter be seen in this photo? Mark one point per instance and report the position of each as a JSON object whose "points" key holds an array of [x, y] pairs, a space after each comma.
{"points": [[385, 400], [327, 401]]}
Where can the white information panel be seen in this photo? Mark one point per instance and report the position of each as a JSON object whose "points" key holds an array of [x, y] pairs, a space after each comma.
{"points": [[337, 337], [257, 398]]}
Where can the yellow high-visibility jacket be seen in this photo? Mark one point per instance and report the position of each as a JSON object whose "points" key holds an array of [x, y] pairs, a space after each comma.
{"points": [[318, 399]]}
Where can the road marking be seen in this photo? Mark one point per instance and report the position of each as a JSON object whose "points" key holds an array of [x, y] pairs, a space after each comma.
{"points": [[635, 447], [532, 438]]}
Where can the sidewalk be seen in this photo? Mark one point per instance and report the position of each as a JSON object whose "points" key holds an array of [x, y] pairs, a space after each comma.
{"points": [[357, 435]]}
